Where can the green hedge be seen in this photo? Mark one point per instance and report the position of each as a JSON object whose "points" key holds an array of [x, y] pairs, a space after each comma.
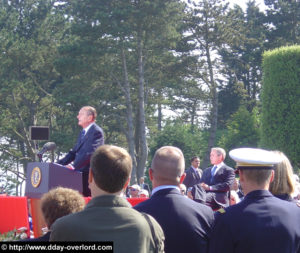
{"points": [[281, 102]]}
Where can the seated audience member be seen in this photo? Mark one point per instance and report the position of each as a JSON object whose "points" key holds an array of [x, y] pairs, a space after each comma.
{"points": [[296, 194], [143, 194], [108, 216], [186, 223], [283, 185], [193, 174], [189, 193], [182, 188], [261, 222], [134, 191], [57, 203], [235, 192], [216, 180], [234, 197]]}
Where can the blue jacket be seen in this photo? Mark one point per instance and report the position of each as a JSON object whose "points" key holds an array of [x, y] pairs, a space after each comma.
{"points": [[261, 223], [81, 153], [186, 223]]}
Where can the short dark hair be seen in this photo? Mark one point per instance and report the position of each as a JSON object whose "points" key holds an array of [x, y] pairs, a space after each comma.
{"points": [[194, 157], [111, 167], [59, 202], [258, 176]]}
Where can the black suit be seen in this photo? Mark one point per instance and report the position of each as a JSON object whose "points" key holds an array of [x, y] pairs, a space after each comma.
{"points": [[81, 153], [192, 177], [186, 224], [220, 185]]}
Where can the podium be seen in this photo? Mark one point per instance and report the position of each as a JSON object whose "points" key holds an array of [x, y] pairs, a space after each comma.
{"points": [[42, 177]]}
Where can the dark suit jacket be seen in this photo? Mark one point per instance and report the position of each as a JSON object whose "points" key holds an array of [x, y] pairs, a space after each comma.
{"points": [[192, 177], [81, 153], [186, 223], [220, 184], [260, 223], [146, 187]]}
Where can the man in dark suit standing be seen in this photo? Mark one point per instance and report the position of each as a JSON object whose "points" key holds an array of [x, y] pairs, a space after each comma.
{"points": [[216, 180], [90, 137], [194, 173], [143, 185], [186, 223], [261, 222]]}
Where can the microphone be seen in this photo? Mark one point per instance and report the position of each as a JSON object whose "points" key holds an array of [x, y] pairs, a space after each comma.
{"points": [[49, 146]]}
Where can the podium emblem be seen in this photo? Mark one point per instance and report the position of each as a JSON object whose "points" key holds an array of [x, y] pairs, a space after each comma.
{"points": [[36, 177]]}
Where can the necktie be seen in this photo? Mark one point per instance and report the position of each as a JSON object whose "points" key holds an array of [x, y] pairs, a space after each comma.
{"points": [[213, 170], [198, 173], [82, 133]]}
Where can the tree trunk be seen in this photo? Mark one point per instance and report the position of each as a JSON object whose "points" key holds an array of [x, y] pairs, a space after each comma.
{"points": [[214, 111], [129, 115], [141, 107], [159, 117]]}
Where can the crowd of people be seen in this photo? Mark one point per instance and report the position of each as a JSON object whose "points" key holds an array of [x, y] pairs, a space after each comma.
{"points": [[180, 216], [253, 208]]}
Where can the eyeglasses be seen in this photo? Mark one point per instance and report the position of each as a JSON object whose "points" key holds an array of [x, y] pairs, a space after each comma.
{"points": [[132, 189]]}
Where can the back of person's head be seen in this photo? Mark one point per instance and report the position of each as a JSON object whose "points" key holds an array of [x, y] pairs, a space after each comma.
{"points": [[283, 182], [259, 176], [220, 152], [168, 165], [111, 167], [59, 202]]}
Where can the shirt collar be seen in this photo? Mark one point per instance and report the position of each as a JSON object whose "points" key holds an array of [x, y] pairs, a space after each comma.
{"points": [[219, 165], [194, 168], [162, 187], [87, 128]]}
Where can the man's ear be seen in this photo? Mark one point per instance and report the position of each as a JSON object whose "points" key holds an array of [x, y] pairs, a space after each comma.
{"points": [[91, 177], [151, 174], [272, 176], [127, 183], [241, 175], [182, 177]]}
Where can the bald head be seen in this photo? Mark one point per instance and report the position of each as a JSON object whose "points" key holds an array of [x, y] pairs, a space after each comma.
{"points": [[168, 165]]}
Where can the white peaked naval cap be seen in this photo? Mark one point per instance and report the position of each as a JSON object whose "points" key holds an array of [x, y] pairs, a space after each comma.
{"points": [[254, 157]]}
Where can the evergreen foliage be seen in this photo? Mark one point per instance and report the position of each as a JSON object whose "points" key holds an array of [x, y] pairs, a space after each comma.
{"points": [[180, 136], [281, 101], [242, 131]]}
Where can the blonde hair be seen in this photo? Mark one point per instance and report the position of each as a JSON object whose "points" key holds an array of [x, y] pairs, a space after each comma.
{"points": [[283, 178]]}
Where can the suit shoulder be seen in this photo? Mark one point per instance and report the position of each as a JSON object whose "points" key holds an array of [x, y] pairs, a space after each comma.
{"points": [[228, 167], [140, 207]]}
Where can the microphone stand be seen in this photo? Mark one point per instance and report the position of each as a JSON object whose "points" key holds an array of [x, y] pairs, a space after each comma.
{"points": [[40, 156]]}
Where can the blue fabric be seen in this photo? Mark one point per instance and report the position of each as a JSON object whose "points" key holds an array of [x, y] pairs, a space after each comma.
{"points": [[82, 151], [82, 133], [186, 223], [213, 170], [261, 223]]}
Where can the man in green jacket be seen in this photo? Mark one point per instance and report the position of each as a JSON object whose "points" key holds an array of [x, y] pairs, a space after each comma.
{"points": [[108, 216]]}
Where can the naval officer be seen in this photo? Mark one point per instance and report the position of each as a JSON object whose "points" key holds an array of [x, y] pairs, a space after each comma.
{"points": [[261, 223]]}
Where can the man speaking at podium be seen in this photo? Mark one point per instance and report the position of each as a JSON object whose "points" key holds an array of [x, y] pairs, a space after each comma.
{"points": [[89, 139]]}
